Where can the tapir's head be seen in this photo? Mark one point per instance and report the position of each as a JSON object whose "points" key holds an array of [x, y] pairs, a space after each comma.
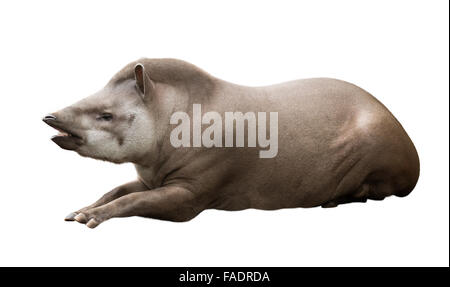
{"points": [[115, 124]]}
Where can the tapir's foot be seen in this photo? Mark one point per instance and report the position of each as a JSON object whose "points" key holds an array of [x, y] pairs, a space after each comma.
{"points": [[91, 217], [88, 215], [330, 204], [71, 216], [90, 222], [344, 200], [360, 195]]}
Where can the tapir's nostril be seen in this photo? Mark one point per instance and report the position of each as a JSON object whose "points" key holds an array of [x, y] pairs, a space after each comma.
{"points": [[49, 117]]}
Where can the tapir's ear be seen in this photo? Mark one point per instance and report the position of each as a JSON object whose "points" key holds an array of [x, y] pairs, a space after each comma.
{"points": [[143, 82]]}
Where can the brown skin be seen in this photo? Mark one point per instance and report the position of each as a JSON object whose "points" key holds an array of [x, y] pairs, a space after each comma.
{"points": [[337, 144]]}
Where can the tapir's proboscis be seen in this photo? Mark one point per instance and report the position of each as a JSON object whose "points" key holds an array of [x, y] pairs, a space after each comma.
{"points": [[336, 144]]}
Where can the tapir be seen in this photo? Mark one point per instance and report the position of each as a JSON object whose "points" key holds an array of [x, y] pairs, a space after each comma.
{"points": [[336, 144]]}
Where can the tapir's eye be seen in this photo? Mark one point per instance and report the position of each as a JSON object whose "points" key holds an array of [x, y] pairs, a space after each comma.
{"points": [[105, 117]]}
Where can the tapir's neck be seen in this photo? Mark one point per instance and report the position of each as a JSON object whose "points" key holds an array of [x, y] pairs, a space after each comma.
{"points": [[153, 170]]}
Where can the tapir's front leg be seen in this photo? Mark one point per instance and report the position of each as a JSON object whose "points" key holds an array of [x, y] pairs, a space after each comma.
{"points": [[172, 203], [134, 186]]}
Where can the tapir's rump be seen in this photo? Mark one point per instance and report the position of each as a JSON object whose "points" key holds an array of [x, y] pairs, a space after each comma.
{"points": [[334, 143]]}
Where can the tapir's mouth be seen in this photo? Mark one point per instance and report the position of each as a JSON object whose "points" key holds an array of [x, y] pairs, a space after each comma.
{"points": [[65, 133], [66, 138]]}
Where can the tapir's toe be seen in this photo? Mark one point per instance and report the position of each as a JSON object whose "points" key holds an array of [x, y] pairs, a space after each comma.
{"points": [[81, 218], [92, 223], [70, 216]]}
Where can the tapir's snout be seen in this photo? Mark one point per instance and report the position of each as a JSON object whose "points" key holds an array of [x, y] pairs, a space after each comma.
{"points": [[67, 138], [53, 121]]}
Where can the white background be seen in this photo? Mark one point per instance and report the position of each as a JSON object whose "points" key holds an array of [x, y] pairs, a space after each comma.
{"points": [[53, 53]]}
